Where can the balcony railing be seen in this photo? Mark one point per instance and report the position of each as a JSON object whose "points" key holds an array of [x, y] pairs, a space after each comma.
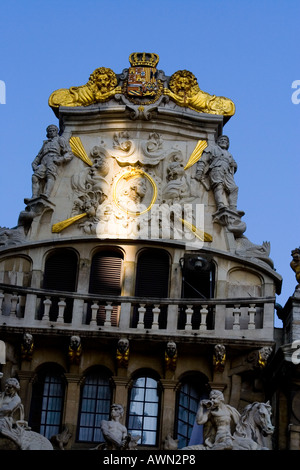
{"points": [[30, 307]]}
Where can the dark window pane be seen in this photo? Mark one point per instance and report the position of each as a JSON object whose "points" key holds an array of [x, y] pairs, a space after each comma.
{"points": [[94, 407]]}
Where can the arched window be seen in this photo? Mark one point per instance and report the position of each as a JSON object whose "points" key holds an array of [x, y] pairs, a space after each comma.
{"points": [[47, 401], [191, 391], [106, 279], [61, 275], [143, 410], [94, 407], [152, 280]]}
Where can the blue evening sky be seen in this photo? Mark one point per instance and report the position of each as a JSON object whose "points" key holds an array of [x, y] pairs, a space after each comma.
{"points": [[247, 51]]}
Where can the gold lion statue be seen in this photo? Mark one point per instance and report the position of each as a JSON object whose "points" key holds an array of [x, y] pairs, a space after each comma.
{"points": [[102, 85], [185, 91]]}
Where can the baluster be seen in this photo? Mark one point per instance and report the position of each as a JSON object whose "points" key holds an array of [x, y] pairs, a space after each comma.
{"points": [[61, 310], [47, 305], [14, 302], [203, 313], [251, 313], [189, 312], [1, 300], [236, 312], [156, 312], [94, 309], [108, 310], [141, 311]]}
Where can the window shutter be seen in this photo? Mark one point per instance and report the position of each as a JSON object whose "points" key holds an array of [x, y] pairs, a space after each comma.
{"points": [[61, 275], [152, 281], [105, 279]]}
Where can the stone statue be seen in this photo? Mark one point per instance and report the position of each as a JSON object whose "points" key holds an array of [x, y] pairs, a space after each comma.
{"points": [[215, 170], [15, 433], [115, 434], [177, 186], [54, 152], [61, 439], [248, 249], [295, 265], [223, 418], [226, 429], [10, 401]]}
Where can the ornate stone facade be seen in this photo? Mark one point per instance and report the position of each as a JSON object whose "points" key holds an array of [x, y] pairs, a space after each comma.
{"points": [[129, 270]]}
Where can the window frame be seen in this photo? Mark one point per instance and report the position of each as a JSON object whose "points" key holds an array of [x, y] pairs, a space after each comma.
{"points": [[199, 384], [38, 414], [143, 430], [97, 417]]}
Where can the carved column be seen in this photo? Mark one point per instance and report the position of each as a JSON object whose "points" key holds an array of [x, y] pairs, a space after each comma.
{"points": [[129, 278], [26, 378], [168, 408], [72, 403], [121, 392], [294, 436]]}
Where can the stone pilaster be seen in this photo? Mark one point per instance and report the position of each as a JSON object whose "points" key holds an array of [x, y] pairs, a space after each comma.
{"points": [[168, 407]]}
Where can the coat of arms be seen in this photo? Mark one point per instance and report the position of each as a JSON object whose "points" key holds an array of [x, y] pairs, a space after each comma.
{"points": [[142, 82]]}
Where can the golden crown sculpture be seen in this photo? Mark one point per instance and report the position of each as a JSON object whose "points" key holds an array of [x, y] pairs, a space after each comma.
{"points": [[142, 59]]}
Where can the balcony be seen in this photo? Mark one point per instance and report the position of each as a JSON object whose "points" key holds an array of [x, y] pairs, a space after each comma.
{"points": [[246, 318]]}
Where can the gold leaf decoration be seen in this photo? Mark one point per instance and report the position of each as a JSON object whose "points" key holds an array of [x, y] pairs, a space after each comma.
{"points": [[79, 150], [196, 154], [56, 228], [203, 236]]}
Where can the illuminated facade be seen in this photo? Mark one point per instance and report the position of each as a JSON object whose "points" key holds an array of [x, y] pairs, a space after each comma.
{"points": [[128, 278]]}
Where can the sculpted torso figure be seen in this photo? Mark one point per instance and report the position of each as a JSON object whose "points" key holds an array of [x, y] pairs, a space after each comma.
{"points": [[9, 399], [115, 434], [221, 417]]}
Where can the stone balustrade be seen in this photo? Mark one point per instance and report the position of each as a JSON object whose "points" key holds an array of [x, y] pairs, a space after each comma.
{"points": [[29, 307]]}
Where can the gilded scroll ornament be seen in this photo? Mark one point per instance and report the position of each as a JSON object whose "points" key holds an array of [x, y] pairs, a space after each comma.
{"points": [[102, 86], [185, 91]]}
